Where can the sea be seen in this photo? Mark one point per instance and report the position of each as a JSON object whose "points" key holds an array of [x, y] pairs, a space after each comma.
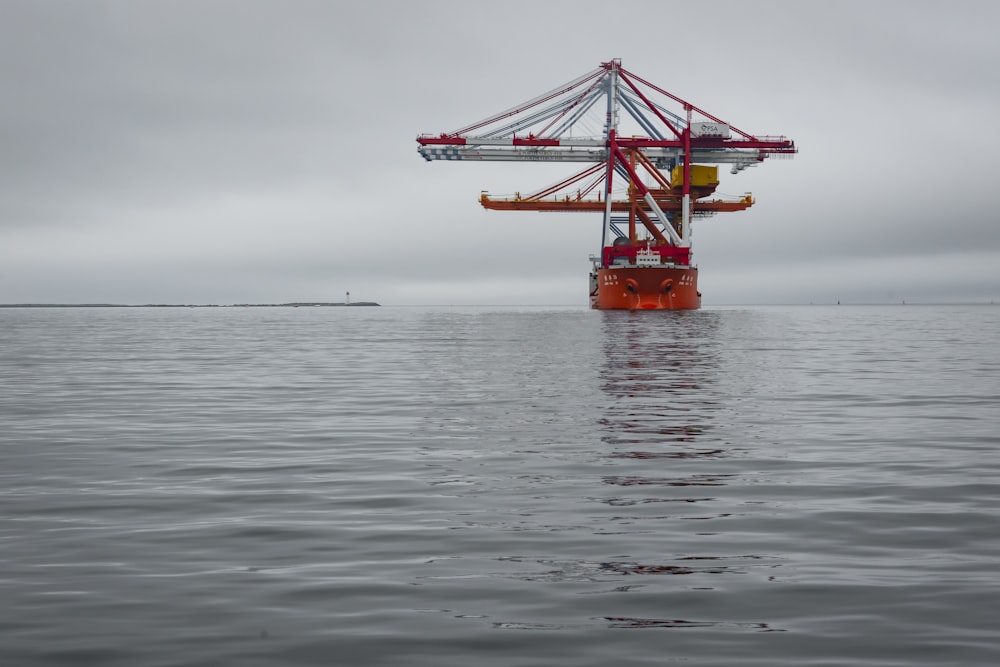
{"points": [[500, 486]]}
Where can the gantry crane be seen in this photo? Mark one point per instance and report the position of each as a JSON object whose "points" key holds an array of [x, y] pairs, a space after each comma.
{"points": [[667, 162]]}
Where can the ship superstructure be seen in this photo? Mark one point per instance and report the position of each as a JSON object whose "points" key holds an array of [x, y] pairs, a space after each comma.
{"points": [[650, 171]]}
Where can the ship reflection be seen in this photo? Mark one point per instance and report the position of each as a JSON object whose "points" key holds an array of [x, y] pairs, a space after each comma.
{"points": [[661, 372], [698, 479], [672, 477], [627, 622], [661, 377]]}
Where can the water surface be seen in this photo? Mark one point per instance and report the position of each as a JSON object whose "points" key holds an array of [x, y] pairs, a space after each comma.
{"points": [[500, 486]]}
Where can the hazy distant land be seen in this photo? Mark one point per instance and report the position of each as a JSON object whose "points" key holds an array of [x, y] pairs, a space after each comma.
{"points": [[185, 305]]}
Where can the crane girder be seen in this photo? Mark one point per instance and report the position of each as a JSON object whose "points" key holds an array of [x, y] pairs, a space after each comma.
{"points": [[635, 140], [567, 204], [581, 154]]}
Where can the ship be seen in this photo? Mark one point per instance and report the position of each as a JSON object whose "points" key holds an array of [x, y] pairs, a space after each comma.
{"points": [[651, 171], [650, 278]]}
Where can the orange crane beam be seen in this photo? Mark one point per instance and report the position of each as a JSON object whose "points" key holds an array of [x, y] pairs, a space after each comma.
{"points": [[619, 206]]}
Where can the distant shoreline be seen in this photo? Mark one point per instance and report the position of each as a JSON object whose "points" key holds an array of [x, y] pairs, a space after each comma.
{"points": [[182, 305]]}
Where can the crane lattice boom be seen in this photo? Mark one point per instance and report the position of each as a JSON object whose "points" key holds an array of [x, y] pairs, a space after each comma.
{"points": [[664, 150]]}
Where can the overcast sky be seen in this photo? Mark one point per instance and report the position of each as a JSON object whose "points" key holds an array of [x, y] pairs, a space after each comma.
{"points": [[260, 152]]}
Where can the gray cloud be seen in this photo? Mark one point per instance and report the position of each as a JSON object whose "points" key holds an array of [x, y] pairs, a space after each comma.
{"points": [[256, 151]]}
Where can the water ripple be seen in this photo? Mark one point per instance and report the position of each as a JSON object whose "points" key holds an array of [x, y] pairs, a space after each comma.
{"points": [[767, 486]]}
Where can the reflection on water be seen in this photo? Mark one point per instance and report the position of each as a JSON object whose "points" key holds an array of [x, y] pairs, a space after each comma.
{"points": [[705, 453], [697, 479], [659, 369], [625, 502], [624, 622], [662, 375], [636, 568], [660, 372]]}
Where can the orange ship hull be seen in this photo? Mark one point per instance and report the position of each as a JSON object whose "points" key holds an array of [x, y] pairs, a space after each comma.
{"points": [[645, 288]]}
